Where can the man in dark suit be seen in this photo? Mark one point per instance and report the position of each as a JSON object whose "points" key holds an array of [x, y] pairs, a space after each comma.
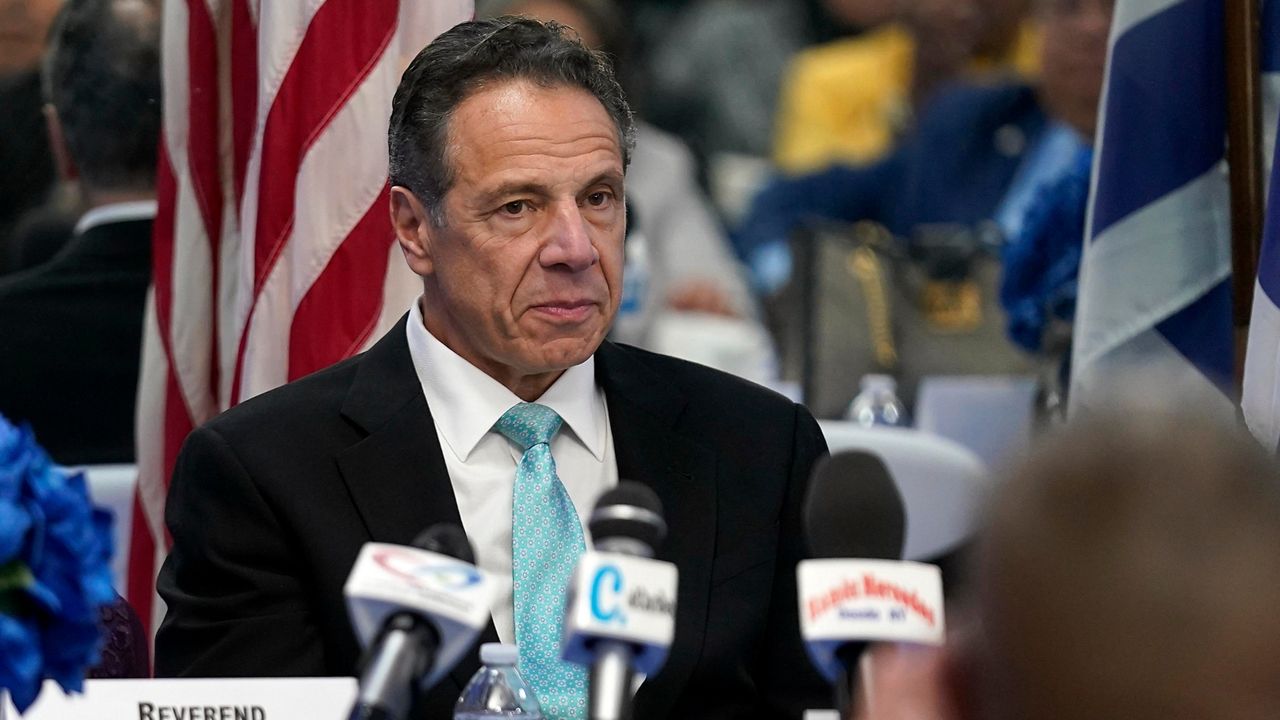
{"points": [[508, 144], [72, 328]]}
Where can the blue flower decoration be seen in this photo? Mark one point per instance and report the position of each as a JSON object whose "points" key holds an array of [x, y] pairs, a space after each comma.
{"points": [[1042, 264], [55, 577]]}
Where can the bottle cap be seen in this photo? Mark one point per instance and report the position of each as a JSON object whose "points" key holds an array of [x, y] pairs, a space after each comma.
{"points": [[878, 381], [499, 654]]}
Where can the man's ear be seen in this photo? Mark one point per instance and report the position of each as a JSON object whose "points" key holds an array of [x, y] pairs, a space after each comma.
{"points": [[66, 166], [413, 229]]}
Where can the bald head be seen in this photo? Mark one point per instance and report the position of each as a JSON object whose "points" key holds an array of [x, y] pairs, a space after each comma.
{"points": [[1131, 569]]}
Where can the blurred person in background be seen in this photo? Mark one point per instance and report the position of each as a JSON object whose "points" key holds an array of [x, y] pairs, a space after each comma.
{"points": [[27, 174], [1129, 570], [679, 259], [714, 75], [976, 159], [851, 99], [73, 326]]}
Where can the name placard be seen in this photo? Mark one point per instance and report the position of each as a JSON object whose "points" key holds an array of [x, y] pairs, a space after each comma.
{"points": [[212, 699]]}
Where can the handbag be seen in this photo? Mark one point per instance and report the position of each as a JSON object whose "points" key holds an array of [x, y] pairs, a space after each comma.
{"points": [[864, 301]]}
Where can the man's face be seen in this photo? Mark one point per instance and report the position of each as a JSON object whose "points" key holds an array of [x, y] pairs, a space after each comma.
{"points": [[525, 276], [1073, 59]]}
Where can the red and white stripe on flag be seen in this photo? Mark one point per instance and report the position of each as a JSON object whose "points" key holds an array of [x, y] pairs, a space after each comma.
{"points": [[273, 250]]}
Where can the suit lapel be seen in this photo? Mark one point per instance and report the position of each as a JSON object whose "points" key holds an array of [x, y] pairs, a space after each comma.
{"points": [[644, 410], [396, 475]]}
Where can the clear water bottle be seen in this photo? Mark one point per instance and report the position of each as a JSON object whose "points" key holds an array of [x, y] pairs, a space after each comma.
{"points": [[877, 403], [497, 690], [634, 316]]}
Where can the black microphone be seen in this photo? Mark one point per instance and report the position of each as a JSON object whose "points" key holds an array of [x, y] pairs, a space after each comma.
{"points": [[628, 520], [398, 591], [621, 614], [853, 510]]}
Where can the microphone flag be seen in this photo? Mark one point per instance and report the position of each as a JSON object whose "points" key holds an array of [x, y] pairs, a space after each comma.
{"points": [[389, 579], [844, 601], [625, 598]]}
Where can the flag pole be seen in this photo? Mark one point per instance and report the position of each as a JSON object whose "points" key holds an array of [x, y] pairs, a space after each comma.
{"points": [[1244, 160]]}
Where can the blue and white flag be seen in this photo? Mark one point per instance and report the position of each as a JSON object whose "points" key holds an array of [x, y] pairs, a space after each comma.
{"points": [[1260, 399], [1155, 290]]}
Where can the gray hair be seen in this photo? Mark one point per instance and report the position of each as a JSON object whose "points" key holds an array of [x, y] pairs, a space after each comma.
{"points": [[101, 73], [464, 59]]}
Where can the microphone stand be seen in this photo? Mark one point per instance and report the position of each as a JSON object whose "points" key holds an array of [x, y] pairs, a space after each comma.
{"points": [[609, 695], [403, 655]]}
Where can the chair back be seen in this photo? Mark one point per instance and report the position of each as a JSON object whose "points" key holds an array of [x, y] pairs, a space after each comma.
{"points": [[943, 484], [992, 415], [112, 487]]}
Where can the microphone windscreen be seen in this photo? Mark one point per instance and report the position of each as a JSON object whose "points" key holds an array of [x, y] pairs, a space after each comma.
{"points": [[446, 539], [854, 509], [630, 510]]}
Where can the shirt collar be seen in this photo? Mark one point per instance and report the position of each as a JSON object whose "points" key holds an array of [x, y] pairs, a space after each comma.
{"points": [[116, 212], [475, 401]]}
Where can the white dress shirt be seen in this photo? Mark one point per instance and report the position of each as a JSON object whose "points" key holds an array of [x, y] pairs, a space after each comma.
{"points": [[465, 403]]}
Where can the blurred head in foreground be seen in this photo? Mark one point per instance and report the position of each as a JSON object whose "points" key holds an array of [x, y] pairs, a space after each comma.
{"points": [[1130, 570]]}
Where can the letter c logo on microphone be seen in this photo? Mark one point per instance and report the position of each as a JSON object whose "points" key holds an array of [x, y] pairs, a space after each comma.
{"points": [[608, 579]]}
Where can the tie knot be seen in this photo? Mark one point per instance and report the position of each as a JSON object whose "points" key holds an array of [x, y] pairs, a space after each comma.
{"points": [[529, 424]]}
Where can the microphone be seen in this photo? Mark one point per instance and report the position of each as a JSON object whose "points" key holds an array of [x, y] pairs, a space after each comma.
{"points": [[620, 614], [416, 611], [857, 590]]}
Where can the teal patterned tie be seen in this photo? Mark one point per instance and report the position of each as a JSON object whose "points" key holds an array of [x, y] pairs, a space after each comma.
{"points": [[546, 542]]}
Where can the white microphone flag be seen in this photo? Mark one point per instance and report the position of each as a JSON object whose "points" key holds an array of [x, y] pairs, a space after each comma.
{"points": [[843, 601], [621, 597], [455, 595]]}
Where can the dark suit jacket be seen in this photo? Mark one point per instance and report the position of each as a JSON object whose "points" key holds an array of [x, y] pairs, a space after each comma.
{"points": [[271, 502], [70, 341]]}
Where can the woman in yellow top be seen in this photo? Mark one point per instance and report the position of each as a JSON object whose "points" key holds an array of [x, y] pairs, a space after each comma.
{"points": [[849, 100]]}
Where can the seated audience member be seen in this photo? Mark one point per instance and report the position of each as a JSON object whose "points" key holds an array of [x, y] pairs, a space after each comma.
{"points": [[124, 644], [27, 173], [496, 404], [690, 266], [978, 153], [715, 72], [1128, 570], [72, 327], [848, 101]]}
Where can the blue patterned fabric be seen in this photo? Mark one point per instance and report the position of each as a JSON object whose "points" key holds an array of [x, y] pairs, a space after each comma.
{"points": [[546, 542], [1042, 262]]}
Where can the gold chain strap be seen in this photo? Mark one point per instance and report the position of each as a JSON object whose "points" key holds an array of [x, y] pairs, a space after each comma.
{"points": [[866, 268]]}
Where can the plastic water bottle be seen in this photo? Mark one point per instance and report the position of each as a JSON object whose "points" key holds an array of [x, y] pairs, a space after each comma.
{"points": [[877, 403], [635, 273], [634, 316], [497, 690]]}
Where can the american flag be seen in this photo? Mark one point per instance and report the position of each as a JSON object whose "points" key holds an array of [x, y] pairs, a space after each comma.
{"points": [[273, 251]]}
